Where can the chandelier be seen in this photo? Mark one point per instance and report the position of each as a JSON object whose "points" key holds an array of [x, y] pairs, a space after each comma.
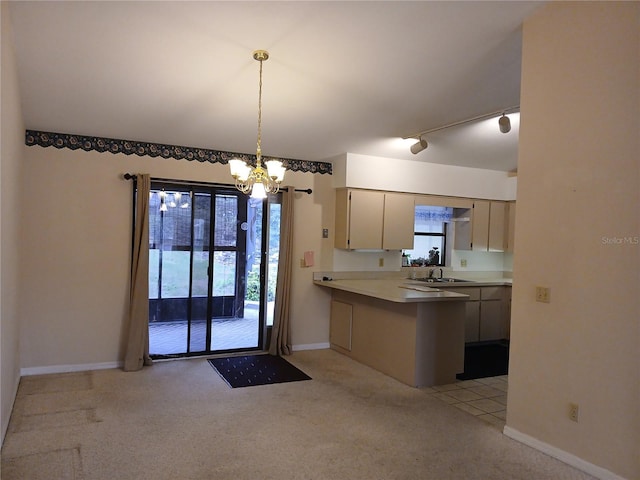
{"points": [[258, 180]]}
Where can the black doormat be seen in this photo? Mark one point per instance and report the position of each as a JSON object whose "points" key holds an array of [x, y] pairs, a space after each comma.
{"points": [[485, 360], [251, 370]]}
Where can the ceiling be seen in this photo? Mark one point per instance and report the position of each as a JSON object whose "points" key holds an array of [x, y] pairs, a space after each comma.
{"points": [[342, 76]]}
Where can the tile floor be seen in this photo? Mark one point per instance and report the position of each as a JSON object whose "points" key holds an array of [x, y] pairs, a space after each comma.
{"points": [[485, 398]]}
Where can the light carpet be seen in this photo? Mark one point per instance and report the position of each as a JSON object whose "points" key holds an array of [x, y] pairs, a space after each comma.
{"points": [[177, 421]]}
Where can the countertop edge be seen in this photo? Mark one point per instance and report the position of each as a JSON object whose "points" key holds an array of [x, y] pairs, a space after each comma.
{"points": [[415, 296]]}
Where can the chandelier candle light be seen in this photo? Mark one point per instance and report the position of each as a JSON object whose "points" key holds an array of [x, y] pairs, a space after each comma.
{"points": [[258, 180]]}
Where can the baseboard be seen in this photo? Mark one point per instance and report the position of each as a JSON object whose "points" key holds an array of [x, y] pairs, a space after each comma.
{"points": [[568, 458], [68, 368], [24, 372], [310, 346], [5, 422]]}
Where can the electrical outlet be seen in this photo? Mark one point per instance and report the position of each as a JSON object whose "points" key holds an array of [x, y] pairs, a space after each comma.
{"points": [[325, 233], [463, 262], [381, 262], [574, 409], [543, 294]]}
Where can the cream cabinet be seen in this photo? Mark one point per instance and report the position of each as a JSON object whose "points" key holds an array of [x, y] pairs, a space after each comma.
{"points": [[497, 226], [375, 220], [486, 313], [481, 228], [511, 227], [492, 319]]}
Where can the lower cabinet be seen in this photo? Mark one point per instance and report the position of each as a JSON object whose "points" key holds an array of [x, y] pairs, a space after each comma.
{"points": [[418, 343], [487, 313]]}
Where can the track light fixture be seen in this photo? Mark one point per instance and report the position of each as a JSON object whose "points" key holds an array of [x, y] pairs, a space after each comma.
{"points": [[419, 146], [504, 123]]}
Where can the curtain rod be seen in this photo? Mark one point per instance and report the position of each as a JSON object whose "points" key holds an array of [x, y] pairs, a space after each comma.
{"points": [[129, 176]]}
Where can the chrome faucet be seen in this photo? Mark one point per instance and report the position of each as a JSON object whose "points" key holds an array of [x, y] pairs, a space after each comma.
{"points": [[432, 273]]}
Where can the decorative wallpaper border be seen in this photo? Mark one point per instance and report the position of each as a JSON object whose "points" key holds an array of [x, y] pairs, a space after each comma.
{"points": [[130, 147]]}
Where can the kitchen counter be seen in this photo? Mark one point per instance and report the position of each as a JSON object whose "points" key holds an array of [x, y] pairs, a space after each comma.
{"points": [[404, 328], [396, 290]]}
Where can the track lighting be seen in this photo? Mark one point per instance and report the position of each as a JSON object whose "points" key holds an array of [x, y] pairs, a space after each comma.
{"points": [[504, 123], [419, 146]]}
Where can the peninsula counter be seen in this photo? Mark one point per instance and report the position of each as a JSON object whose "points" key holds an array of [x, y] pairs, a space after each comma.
{"points": [[399, 327]]}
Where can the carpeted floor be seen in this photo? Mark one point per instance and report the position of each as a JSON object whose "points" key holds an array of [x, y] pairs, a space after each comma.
{"points": [[179, 420]]}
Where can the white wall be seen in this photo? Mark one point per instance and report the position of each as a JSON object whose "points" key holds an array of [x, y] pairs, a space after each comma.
{"points": [[365, 171], [578, 232], [11, 141], [77, 232]]}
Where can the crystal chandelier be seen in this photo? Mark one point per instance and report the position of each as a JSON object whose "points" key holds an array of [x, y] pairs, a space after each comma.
{"points": [[258, 180]]}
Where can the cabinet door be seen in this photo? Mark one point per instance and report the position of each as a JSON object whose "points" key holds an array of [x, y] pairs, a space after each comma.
{"points": [[365, 219], [399, 220], [497, 226], [480, 229], [511, 226], [358, 219], [491, 316], [341, 236], [472, 312], [506, 320], [472, 322]]}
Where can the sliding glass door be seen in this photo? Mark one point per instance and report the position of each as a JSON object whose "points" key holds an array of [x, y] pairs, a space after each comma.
{"points": [[210, 269]]}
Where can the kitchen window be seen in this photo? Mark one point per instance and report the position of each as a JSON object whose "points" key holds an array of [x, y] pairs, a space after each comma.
{"points": [[430, 235]]}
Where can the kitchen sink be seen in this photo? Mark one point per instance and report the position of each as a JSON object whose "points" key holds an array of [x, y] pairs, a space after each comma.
{"points": [[441, 280]]}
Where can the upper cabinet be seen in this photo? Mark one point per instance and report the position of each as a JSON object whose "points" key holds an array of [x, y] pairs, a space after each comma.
{"points": [[368, 219], [483, 228], [497, 226], [399, 221], [511, 226], [480, 225]]}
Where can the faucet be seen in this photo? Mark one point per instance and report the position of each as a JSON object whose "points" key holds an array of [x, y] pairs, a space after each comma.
{"points": [[432, 271]]}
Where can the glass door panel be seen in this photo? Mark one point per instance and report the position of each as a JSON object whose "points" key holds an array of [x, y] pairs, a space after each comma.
{"points": [[273, 247], [199, 294], [235, 325], [169, 268], [212, 269]]}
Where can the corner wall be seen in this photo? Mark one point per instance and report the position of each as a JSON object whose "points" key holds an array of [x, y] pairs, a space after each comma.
{"points": [[578, 233], [11, 142]]}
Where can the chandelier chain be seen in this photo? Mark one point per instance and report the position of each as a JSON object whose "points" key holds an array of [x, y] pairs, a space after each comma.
{"points": [[259, 142], [258, 180]]}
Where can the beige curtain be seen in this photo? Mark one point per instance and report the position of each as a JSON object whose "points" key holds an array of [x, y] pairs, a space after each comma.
{"points": [[281, 332], [137, 353]]}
